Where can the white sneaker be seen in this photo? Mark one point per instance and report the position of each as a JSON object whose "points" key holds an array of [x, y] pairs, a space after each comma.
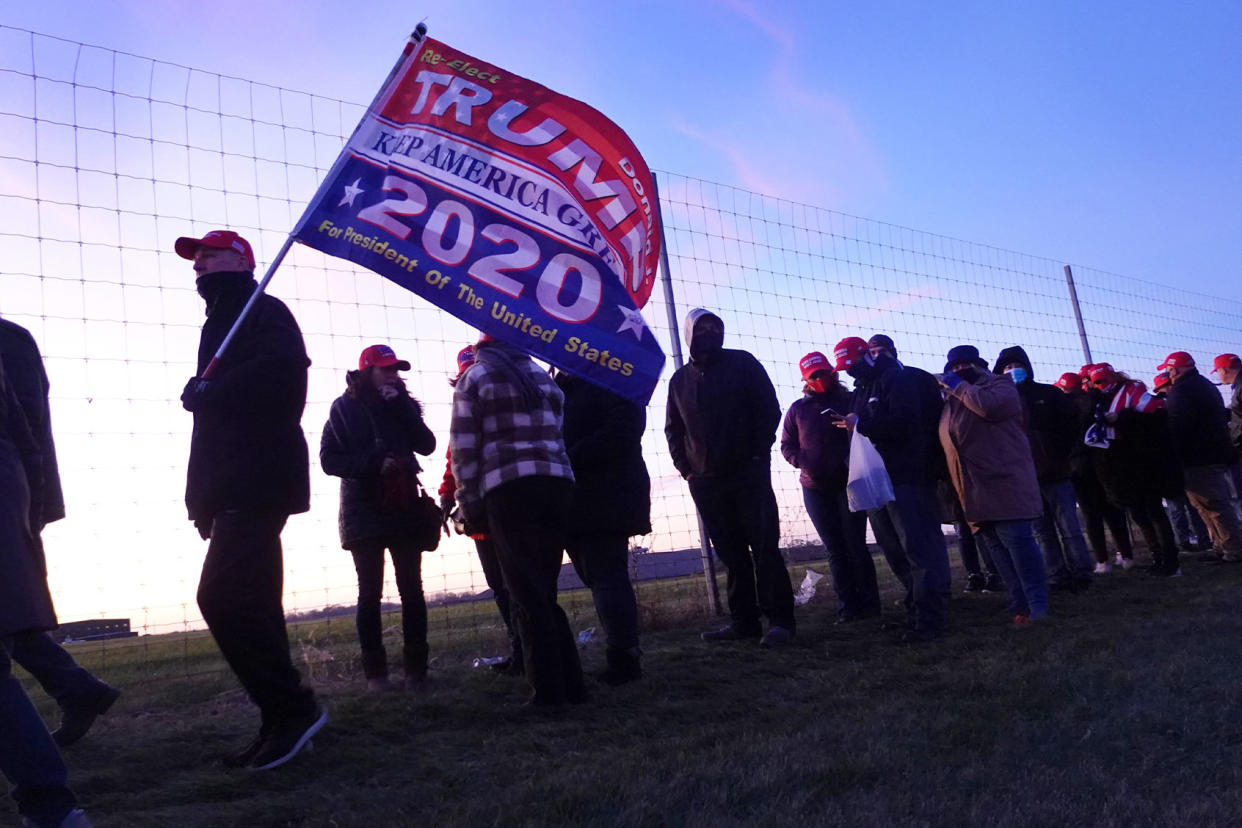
{"points": [[1103, 567]]}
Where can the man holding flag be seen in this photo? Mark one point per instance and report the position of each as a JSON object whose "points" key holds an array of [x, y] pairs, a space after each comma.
{"points": [[248, 471]]}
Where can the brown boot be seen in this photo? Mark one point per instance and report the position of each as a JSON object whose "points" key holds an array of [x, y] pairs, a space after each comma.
{"points": [[375, 668]]}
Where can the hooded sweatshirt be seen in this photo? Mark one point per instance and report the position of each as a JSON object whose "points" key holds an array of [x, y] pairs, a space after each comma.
{"points": [[722, 411], [1051, 421]]}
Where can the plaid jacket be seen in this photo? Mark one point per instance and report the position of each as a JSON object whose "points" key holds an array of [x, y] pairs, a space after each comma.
{"points": [[495, 439]]}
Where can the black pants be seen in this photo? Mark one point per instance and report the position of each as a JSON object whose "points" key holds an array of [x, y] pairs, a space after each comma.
{"points": [[526, 518], [407, 561], [603, 564], [739, 511], [60, 676], [240, 593], [1149, 516], [1098, 511], [495, 578]]}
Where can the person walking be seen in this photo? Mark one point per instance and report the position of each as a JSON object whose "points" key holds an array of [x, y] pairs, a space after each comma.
{"points": [[720, 423], [1199, 424], [611, 503], [990, 463], [811, 443], [895, 410], [512, 473], [249, 470], [81, 696], [1052, 431], [29, 757], [373, 431]]}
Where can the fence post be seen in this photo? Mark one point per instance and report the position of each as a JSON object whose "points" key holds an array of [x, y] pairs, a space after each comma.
{"points": [[705, 549], [1082, 331]]}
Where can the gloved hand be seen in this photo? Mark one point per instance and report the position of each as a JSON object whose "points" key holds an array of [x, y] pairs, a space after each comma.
{"points": [[204, 528], [195, 393], [950, 380], [446, 512]]}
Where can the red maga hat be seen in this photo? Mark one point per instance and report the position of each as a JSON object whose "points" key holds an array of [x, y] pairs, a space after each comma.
{"points": [[381, 356], [1068, 380], [188, 246], [1161, 381], [1177, 359], [812, 362], [1225, 362], [1101, 371], [849, 351]]}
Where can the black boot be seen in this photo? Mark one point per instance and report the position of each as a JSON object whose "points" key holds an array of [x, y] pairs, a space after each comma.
{"points": [[623, 666], [375, 668], [414, 659]]}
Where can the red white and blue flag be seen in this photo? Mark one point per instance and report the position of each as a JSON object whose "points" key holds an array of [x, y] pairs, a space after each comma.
{"points": [[522, 212]]}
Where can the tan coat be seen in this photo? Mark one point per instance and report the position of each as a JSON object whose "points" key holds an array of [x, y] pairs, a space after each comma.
{"points": [[988, 453]]}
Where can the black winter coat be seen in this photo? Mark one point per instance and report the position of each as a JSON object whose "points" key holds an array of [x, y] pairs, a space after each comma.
{"points": [[362, 430], [1235, 415], [25, 602], [721, 416], [247, 450], [603, 437], [813, 444], [1051, 420], [1140, 463], [24, 367], [900, 413], [1199, 422]]}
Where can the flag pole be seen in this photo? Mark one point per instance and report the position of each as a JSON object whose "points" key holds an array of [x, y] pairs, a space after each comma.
{"points": [[412, 42]]}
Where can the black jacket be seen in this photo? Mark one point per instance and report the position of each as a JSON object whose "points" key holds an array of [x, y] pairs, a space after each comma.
{"points": [[247, 450], [900, 413], [28, 380], [362, 430], [721, 415], [1199, 422], [603, 437], [1235, 415], [1052, 422], [812, 443], [1141, 462]]}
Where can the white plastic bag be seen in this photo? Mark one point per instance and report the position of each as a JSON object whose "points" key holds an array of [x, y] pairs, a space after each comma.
{"points": [[807, 591], [869, 486]]}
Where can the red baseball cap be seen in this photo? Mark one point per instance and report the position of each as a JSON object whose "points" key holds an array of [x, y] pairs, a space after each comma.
{"points": [[465, 358], [380, 356], [1225, 362], [187, 246], [1068, 380], [1177, 359], [1161, 380], [812, 362], [849, 351], [1100, 372], [1085, 371]]}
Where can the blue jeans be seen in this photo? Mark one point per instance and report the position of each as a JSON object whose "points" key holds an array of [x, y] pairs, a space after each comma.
{"points": [[844, 534], [28, 756], [1017, 556], [915, 519], [1188, 527], [1059, 534]]}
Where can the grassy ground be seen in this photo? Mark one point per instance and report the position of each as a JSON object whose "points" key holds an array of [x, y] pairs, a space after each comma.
{"points": [[1120, 710]]}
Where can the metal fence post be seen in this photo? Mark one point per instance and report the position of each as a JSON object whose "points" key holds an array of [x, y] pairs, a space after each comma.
{"points": [[705, 549], [1082, 331]]}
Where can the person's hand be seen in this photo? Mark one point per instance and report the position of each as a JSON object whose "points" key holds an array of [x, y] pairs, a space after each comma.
{"points": [[847, 421], [204, 528], [446, 511], [949, 380], [194, 394], [388, 393], [388, 466]]}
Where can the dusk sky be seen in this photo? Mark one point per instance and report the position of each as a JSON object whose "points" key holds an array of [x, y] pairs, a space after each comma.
{"points": [[1104, 134]]}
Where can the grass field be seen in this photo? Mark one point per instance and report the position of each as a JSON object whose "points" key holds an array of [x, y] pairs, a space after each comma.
{"points": [[1121, 710]]}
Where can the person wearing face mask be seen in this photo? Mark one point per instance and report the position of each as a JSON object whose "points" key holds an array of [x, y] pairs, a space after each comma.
{"points": [[369, 441], [1052, 430], [1135, 461], [1097, 511], [720, 423], [249, 470], [891, 408], [989, 459], [811, 443]]}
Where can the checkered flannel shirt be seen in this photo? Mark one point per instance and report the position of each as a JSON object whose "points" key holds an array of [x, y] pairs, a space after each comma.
{"points": [[494, 438]]}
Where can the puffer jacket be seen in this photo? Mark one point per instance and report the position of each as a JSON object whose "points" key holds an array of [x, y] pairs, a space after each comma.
{"points": [[987, 451], [361, 431]]}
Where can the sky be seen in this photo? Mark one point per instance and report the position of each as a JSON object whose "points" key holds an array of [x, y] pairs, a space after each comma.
{"points": [[1104, 138], [1103, 134]]}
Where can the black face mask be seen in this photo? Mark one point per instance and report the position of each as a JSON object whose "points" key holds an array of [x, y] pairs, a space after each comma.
{"points": [[214, 287], [862, 369], [706, 344], [970, 374]]}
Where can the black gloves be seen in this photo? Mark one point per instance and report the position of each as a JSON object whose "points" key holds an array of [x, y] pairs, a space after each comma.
{"points": [[195, 394]]}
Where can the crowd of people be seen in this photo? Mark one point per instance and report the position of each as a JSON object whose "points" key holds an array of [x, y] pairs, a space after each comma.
{"points": [[541, 465]]}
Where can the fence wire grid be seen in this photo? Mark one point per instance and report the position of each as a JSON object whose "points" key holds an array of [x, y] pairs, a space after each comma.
{"points": [[107, 157]]}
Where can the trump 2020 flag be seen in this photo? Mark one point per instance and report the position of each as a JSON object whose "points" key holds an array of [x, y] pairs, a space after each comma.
{"points": [[524, 213]]}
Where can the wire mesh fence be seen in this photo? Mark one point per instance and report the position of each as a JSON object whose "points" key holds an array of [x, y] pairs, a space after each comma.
{"points": [[107, 157]]}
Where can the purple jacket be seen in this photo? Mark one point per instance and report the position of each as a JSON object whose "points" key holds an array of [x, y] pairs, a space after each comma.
{"points": [[811, 443]]}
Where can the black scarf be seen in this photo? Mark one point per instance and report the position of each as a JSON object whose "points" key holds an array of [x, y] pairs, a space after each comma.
{"points": [[225, 288]]}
